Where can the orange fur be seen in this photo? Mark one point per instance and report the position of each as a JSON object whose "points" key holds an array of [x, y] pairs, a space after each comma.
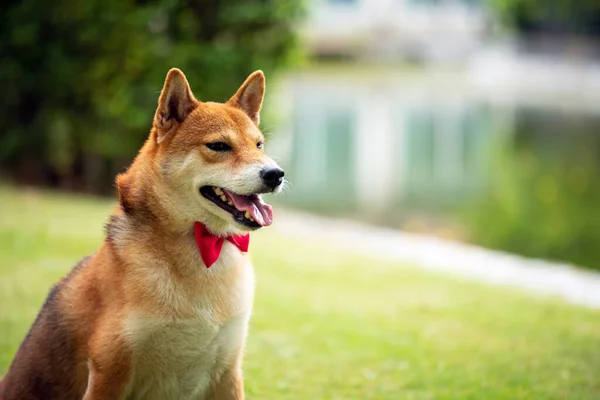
{"points": [[143, 317]]}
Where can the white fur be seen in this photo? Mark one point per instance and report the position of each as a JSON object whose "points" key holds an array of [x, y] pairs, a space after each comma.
{"points": [[178, 357]]}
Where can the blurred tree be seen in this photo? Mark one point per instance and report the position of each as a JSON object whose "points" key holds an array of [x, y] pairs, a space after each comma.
{"points": [[544, 192], [579, 17], [81, 78]]}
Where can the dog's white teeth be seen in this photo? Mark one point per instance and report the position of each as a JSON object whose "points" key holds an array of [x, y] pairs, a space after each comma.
{"points": [[247, 215], [223, 197], [251, 219], [218, 191], [229, 202]]}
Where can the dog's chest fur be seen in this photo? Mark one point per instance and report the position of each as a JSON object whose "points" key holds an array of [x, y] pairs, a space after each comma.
{"points": [[178, 354]]}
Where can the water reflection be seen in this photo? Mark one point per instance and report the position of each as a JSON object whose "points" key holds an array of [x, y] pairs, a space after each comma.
{"points": [[434, 154]]}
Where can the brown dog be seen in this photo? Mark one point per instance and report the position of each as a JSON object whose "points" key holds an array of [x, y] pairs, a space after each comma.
{"points": [[143, 317]]}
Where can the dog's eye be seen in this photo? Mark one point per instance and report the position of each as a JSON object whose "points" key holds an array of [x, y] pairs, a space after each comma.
{"points": [[218, 146], [260, 145]]}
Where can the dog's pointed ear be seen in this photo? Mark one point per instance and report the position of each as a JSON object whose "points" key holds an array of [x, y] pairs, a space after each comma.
{"points": [[249, 96], [175, 103]]}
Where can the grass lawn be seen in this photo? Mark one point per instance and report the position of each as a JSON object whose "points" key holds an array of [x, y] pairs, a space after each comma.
{"points": [[333, 325]]}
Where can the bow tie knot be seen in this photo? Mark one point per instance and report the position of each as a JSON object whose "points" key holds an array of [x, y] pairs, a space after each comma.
{"points": [[210, 245]]}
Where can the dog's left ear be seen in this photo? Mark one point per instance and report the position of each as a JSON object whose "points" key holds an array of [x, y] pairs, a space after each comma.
{"points": [[175, 103], [249, 96]]}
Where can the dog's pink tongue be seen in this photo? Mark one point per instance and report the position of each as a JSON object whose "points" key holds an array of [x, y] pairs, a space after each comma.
{"points": [[261, 212]]}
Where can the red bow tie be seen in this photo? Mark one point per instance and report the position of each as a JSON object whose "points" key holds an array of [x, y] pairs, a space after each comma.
{"points": [[210, 245]]}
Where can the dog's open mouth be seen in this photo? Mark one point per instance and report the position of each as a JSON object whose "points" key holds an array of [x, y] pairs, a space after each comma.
{"points": [[248, 210]]}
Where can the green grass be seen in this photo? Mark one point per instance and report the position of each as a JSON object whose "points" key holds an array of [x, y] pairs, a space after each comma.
{"points": [[333, 325]]}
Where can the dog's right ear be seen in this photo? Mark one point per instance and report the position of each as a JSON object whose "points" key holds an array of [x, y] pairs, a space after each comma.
{"points": [[175, 103]]}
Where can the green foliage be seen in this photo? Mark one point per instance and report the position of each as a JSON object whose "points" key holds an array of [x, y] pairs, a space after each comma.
{"points": [[575, 16], [543, 198], [81, 78]]}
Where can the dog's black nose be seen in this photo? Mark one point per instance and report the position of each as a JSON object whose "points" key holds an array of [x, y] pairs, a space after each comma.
{"points": [[272, 176]]}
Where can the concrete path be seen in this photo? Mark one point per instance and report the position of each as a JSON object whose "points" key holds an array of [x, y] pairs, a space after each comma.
{"points": [[493, 267]]}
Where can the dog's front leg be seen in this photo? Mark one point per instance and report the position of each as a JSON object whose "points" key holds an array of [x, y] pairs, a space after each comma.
{"points": [[106, 384], [230, 386], [108, 370], [101, 386]]}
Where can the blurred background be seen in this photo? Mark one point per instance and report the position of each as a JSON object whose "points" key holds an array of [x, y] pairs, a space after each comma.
{"points": [[452, 122], [471, 120]]}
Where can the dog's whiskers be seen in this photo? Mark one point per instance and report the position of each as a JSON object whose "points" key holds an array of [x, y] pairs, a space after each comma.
{"points": [[286, 187]]}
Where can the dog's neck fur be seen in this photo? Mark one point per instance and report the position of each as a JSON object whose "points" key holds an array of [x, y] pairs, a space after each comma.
{"points": [[140, 216]]}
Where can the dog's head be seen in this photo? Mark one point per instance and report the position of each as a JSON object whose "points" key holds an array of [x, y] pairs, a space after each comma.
{"points": [[210, 157]]}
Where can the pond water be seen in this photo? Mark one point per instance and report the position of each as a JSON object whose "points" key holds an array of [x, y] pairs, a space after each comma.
{"points": [[436, 153]]}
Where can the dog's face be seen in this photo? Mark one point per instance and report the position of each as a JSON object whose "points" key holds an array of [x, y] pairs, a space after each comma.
{"points": [[211, 159]]}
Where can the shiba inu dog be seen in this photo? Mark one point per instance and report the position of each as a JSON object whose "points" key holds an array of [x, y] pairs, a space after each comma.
{"points": [[161, 310]]}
